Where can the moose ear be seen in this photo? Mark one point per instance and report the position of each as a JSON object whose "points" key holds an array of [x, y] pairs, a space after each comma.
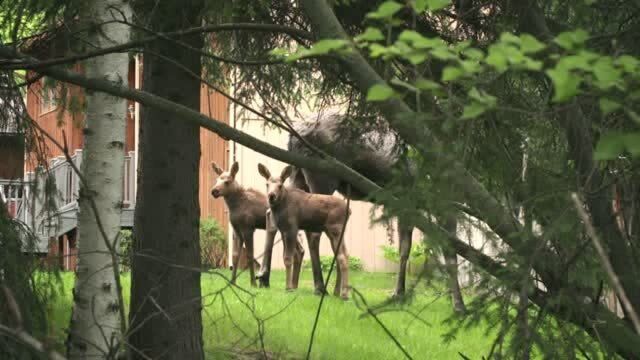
{"points": [[286, 172], [215, 168], [234, 169], [264, 171]]}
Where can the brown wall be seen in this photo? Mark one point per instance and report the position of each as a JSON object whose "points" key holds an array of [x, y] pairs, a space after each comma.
{"points": [[56, 121], [212, 148]]}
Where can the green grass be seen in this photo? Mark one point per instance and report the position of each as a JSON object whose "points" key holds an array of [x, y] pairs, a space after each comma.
{"points": [[342, 333]]}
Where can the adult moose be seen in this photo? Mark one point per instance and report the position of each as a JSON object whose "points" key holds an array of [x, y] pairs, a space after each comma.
{"points": [[374, 153]]}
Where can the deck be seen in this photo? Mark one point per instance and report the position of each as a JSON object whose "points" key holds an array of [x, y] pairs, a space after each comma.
{"points": [[25, 200]]}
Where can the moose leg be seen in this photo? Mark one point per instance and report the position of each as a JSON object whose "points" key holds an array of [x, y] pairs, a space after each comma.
{"points": [[248, 243], [313, 240], [235, 255], [317, 183], [342, 264], [405, 233], [298, 255], [265, 270], [289, 238]]}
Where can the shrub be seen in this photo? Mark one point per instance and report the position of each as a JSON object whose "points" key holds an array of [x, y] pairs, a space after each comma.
{"points": [[355, 263], [213, 244], [418, 255]]}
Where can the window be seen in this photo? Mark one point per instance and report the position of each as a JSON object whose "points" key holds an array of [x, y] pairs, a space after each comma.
{"points": [[48, 99]]}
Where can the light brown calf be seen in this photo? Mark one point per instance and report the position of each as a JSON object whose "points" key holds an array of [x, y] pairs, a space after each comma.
{"points": [[248, 211], [293, 210]]}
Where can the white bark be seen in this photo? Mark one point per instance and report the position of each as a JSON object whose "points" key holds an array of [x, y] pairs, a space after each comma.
{"points": [[95, 322]]}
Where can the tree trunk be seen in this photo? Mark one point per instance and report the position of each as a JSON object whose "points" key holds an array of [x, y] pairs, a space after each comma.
{"points": [[96, 318], [165, 293], [451, 266]]}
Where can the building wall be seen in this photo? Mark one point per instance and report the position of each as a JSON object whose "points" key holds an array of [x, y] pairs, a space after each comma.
{"points": [[58, 121], [213, 148]]}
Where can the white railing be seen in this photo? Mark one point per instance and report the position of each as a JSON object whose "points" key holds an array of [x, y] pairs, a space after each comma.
{"points": [[68, 182], [22, 204], [13, 193]]}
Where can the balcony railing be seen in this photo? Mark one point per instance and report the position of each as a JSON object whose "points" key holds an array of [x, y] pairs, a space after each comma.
{"points": [[23, 200], [68, 182]]}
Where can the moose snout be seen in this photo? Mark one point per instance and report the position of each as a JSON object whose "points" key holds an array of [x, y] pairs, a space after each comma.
{"points": [[215, 193]]}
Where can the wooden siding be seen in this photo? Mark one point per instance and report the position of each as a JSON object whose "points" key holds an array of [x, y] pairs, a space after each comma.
{"points": [[58, 121], [212, 148], [55, 123]]}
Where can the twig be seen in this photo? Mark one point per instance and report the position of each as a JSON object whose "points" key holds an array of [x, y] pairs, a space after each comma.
{"points": [[32, 342], [333, 262], [35, 64], [386, 330], [12, 304], [606, 264]]}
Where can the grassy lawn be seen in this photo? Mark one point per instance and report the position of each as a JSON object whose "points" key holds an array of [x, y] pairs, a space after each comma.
{"points": [[232, 319]]}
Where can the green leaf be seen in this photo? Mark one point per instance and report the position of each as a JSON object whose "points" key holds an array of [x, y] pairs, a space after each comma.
{"points": [[608, 106], [424, 84], [569, 40], [416, 57], [610, 146], [443, 53], [565, 84], [473, 53], [632, 143], [473, 110], [322, 47], [582, 60], [434, 5], [451, 73], [605, 73], [509, 38], [482, 97], [470, 66], [386, 10], [377, 50], [530, 45], [370, 34], [419, 5], [380, 92], [418, 41], [497, 57], [628, 63], [279, 52]]}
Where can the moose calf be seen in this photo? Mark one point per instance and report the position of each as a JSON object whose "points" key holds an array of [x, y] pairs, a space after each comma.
{"points": [[293, 210], [248, 211]]}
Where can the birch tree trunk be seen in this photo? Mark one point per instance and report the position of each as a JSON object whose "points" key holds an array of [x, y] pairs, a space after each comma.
{"points": [[96, 318]]}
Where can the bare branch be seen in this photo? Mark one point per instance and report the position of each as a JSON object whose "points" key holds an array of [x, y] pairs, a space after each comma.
{"points": [[606, 264]]}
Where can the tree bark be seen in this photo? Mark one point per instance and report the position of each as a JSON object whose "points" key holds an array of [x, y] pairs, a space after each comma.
{"points": [[451, 266], [95, 328], [165, 295]]}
